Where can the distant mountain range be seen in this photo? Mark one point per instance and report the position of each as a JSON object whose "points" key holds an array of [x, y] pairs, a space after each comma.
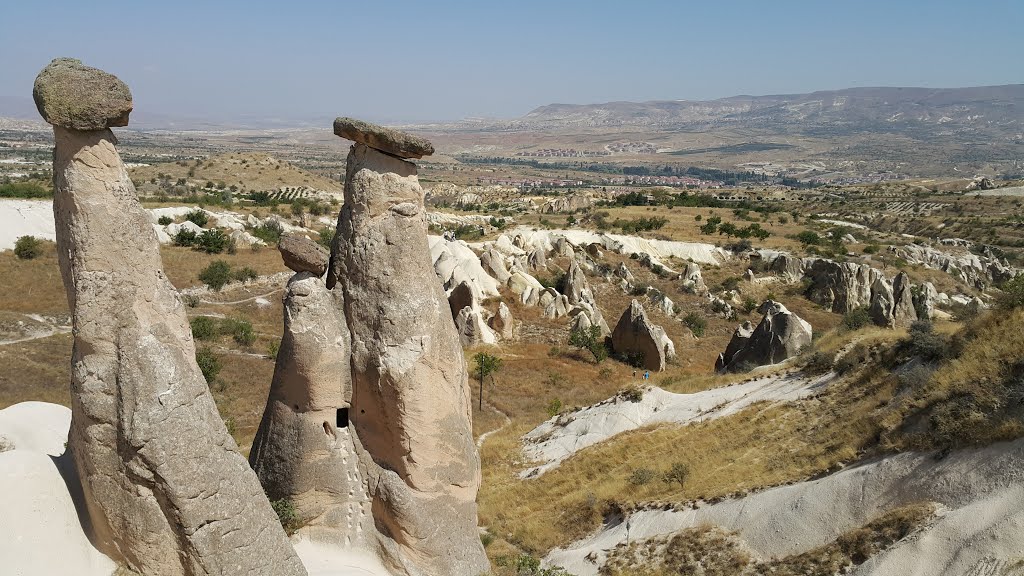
{"points": [[993, 110]]}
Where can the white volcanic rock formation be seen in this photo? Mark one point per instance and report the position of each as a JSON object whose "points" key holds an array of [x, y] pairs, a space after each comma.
{"points": [[165, 488]]}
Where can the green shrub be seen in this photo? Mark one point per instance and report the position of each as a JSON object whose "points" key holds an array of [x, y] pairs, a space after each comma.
{"points": [[214, 241], [28, 247], [287, 514], [818, 363], [273, 349], [244, 274], [209, 364], [185, 237], [203, 327], [24, 190], [164, 220], [241, 331], [696, 323], [554, 408], [641, 476], [216, 275], [197, 217], [732, 283], [326, 237], [927, 343], [1013, 293], [856, 319], [749, 304], [270, 231]]}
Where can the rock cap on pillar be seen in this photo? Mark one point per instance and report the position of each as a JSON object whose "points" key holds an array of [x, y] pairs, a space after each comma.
{"points": [[387, 140], [301, 254], [72, 95]]}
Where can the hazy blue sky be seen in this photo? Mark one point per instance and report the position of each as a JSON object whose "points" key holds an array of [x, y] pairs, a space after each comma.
{"points": [[439, 60]]}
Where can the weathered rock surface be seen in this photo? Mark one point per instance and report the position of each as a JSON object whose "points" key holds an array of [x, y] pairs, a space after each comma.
{"points": [[537, 260], [780, 335], [410, 394], [165, 488], [304, 450], [788, 267], [840, 287], [494, 264], [72, 95], [636, 335], [472, 328], [387, 140], [693, 281], [461, 297], [976, 270], [502, 322], [301, 254]]}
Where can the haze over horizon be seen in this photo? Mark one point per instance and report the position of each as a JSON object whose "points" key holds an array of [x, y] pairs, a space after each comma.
{"points": [[444, 61]]}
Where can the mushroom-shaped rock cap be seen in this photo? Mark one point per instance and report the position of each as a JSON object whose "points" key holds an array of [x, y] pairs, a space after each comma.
{"points": [[301, 254], [72, 95], [384, 139]]}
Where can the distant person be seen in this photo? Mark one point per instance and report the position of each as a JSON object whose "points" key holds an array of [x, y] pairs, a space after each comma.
{"points": [[634, 373], [647, 375]]}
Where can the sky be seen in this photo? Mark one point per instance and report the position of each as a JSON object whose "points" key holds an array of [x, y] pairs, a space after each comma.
{"points": [[438, 60]]}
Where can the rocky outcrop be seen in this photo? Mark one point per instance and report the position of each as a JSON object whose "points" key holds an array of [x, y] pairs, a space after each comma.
{"points": [[789, 267], [537, 260], [502, 324], [780, 335], [305, 451], [164, 486], [925, 298], [410, 395], [577, 289], [840, 287], [300, 254], [386, 140], [494, 264], [693, 281], [636, 336], [976, 270]]}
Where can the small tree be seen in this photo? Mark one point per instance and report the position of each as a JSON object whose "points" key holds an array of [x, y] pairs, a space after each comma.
{"points": [[197, 217], [679, 472], [28, 247], [485, 365], [216, 275], [209, 364], [590, 340]]}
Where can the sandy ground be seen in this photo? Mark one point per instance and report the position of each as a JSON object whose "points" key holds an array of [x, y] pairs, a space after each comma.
{"points": [[979, 529], [41, 532], [565, 434]]}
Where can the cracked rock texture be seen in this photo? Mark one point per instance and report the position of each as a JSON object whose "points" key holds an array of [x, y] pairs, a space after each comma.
{"points": [[780, 335], [164, 483], [410, 395], [72, 95], [636, 335], [166, 490]]}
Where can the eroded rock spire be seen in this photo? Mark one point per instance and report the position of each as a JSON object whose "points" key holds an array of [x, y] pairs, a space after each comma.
{"points": [[166, 490]]}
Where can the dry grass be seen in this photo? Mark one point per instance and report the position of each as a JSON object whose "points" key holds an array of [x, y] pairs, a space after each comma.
{"points": [[765, 445], [257, 172], [182, 265], [36, 370], [32, 286], [712, 551]]}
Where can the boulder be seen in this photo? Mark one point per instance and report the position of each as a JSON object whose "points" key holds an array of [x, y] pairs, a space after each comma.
{"points": [[163, 483], [304, 450], [577, 289], [693, 281], [740, 338], [780, 335], [635, 335], [622, 272], [537, 260], [925, 298], [410, 391], [502, 324], [789, 267], [749, 275], [72, 95], [558, 307], [882, 300], [563, 248], [903, 310], [387, 140], [494, 264], [300, 254], [472, 329]]}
